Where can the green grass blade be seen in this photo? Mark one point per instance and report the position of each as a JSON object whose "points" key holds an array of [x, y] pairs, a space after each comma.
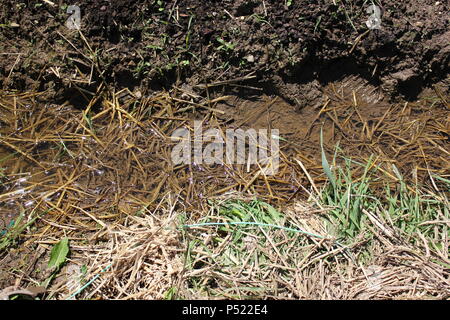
{"points": [[325, 164]]}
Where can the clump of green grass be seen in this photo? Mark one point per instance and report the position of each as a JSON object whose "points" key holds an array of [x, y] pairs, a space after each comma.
{"points": [[413, 212], [347, 197], [245, 238]]}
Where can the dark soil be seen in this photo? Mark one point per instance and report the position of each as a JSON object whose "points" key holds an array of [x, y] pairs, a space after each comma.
{"points": [[292, 47]]}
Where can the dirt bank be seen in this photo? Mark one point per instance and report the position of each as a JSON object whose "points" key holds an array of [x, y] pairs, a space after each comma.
{"points": [[289, 48]]}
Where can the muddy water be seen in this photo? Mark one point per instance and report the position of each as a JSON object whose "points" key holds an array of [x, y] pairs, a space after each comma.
{"points": [[7, 213], [351, 113], [302, 127], [358, 118], [17, 177]]}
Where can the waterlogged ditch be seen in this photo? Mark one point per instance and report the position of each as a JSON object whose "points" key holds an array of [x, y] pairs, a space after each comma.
{"points": [[83, 173], [87, 170]]}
